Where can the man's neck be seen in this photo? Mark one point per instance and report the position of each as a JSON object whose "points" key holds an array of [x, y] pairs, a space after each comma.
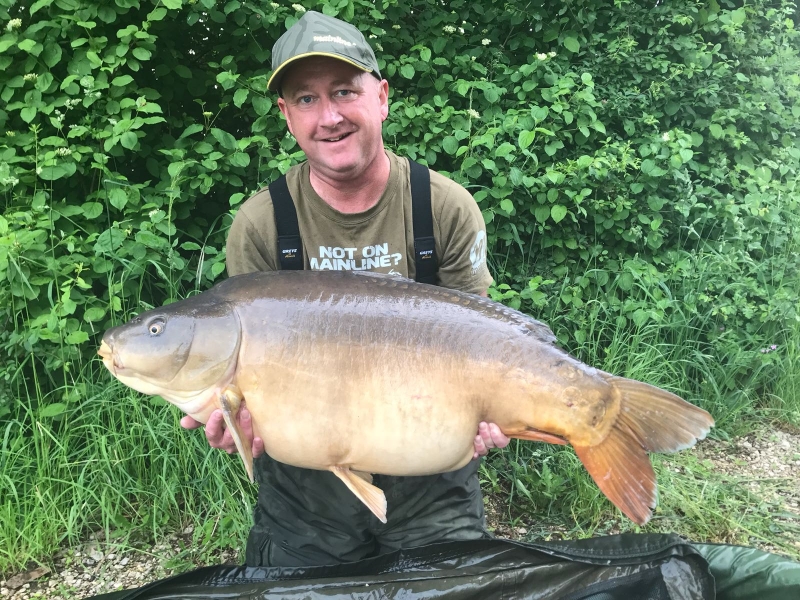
{"points": [[354, 195]]}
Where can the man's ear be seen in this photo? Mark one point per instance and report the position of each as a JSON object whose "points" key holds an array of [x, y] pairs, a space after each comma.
{"points": [[383, 94], [285, 111]]}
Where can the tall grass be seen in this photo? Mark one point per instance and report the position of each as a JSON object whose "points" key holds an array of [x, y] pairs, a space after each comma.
{"points": [[116, 463]]}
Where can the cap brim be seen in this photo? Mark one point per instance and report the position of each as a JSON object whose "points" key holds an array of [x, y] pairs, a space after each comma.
{"points": [[274, 80]]}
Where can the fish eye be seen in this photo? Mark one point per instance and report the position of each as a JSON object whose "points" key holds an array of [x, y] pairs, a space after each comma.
{"points": [[156, 326]]}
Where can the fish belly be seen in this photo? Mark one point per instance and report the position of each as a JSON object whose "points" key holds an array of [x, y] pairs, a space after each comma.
{"points": [[378, 410]]}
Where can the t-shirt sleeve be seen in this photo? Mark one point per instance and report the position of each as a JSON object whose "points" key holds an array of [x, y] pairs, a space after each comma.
{"points": [[461, 238], [250, 246]]}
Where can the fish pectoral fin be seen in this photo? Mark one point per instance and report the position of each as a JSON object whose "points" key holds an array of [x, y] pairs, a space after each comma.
{"points": [[230, 400], [364, 475], [621, 469], [534, 435], [370, 495]]}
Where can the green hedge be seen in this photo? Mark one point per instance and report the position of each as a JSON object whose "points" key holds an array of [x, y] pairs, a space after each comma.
{"points": [[617, 151]]}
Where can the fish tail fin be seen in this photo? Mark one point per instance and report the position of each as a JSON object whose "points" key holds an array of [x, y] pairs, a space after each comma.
{"points": [[650, 420]]}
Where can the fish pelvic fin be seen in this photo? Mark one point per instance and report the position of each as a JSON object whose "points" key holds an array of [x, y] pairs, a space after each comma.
{"points": [[649, 420], [369, 494], [230, 400]]}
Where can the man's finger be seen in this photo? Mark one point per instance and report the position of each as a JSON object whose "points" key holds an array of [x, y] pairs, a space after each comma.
{"points": [[188, 422], [486, 434], [258, 447], [499, 439], [215, 429]]}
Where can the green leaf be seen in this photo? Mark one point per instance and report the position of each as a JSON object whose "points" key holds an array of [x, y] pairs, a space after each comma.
{"points": [[26, 45], [558, 212], [94, 314], [240, 96], [407, 71], [572, 44], [118, 198], [542, 213], [92, 210], [172, 4], [158, 14], [122, 80], [191, 130], [507, 206], [51, 54], [149, 239], [225, 139], [142, 53], [450, 145], [109, 241], [39, 4], [128, 140], [715, 130], [53, 172], [77, 337], [239, 159], [28, 113], [686, 154], [58, 408], [261, 105], [425, 54], [526, 138], [183, 71]]}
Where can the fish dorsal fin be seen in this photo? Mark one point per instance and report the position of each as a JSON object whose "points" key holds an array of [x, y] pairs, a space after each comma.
{"points": [[383, 276]]}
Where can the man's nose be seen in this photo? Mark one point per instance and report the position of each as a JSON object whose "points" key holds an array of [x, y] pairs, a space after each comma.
{"points": [[330, 113]]}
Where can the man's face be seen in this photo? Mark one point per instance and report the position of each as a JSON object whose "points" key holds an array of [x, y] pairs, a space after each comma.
{"points": [[335, 111]]}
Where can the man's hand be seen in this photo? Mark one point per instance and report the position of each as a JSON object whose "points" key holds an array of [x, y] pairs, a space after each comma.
{"points": [[489, 436], [219, 437]]}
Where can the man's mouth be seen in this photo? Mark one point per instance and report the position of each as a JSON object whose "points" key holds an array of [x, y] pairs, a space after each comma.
{"points": [[337, 138]]}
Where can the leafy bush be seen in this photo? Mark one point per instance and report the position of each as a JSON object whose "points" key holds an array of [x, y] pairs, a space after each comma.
{"points": [[616, 150]]}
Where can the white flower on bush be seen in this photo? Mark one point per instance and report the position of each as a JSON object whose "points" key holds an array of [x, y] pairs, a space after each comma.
{"points": [[486, 41], [153, 213], [473, 113], [395, 26], [551, 54], [378, 47], [30, 77], [12, 181], [274, 5], [541, 56], [14, 24], [449, 29], [63, 151], [665, 136], [298, 8], [461, 30]]}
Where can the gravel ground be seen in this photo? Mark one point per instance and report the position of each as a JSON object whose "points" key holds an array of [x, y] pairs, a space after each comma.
{"points": [[767, 463]]}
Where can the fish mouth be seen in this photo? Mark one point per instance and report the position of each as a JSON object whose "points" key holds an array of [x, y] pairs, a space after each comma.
{"points": [[110, 360]]}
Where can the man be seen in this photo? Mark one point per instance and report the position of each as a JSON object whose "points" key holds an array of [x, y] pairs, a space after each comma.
{"points": [[353, 205]]}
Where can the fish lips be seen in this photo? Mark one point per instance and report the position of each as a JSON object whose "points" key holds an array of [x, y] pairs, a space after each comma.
{"points": [[112, 361]]}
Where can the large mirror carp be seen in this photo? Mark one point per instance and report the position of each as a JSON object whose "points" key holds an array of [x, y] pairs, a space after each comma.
{"points": [[358, 373]]}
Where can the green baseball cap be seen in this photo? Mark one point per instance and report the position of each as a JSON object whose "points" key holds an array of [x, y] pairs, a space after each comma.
{"points": [[316, 34]]}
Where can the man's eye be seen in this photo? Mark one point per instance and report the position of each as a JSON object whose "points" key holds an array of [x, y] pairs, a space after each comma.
{"points": [[304, 100], [342, 93]]}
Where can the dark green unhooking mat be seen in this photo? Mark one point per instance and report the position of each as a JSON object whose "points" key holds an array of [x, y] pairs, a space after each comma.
{"points": [[624, 567]]}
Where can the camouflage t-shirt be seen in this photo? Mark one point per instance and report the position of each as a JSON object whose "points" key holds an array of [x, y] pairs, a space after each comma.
{"points": [[379, 239]]}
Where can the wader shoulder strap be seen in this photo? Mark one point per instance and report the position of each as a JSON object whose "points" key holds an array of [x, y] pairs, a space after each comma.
{"points": [[290, 246], [424, 245]]}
